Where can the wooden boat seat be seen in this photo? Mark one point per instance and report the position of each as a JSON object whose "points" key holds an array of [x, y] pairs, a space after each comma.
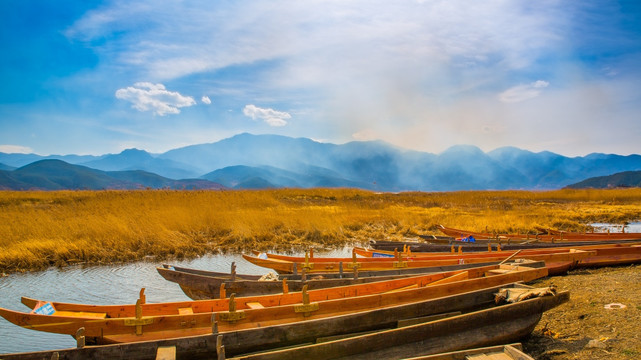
{"points": [[86, 314], [166, 353], [254, 305], [185, 311]]}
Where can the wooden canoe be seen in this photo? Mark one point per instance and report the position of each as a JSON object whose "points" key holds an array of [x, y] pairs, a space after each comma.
{"points": [[559, 236], [598, 248], [604, 255], [367, 255], [608, 233], [610, 256], [454, 246], [498, 325], [556, 262], [237, 342], [232, 275], [200, 286], [126, 323], [499, 352]]}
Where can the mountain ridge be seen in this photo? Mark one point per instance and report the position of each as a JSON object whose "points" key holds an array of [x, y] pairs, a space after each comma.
{"points": [[54, 174], [619, 180], [260, 161]]}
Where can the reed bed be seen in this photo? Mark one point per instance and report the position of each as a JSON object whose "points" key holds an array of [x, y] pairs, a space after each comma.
{"points": [[42, 229]]}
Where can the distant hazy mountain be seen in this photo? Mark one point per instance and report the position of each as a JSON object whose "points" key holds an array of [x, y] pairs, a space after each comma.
{"points": [[622, 179], [247, 177], [6, 167], [18, 160], [59, 175], [251, 150], [265, 161], [134, 159]]}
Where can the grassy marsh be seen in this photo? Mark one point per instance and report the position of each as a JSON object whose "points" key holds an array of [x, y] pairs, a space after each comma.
{"points": [[42, 229]]}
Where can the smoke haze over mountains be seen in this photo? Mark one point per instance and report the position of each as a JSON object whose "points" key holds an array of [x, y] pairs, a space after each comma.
{"points": [[272, 161]]}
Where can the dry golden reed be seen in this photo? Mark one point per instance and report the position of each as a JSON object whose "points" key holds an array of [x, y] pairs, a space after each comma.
{"points": [[41, 229]]}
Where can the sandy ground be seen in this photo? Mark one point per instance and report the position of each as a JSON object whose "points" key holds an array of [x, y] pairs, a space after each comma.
{"points": [[602, 320]]}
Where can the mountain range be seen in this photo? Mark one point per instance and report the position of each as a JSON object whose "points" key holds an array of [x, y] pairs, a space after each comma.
{"points": [[52, 174], [251, 161]]}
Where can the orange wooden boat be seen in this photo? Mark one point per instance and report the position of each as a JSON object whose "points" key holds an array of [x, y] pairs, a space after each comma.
{"points": [[487, 245], [608, 234], [604, 255], [550, 236], [202, 284], [556, 262], [126, 323], [368, 255], [610, 256], [448, 322]]}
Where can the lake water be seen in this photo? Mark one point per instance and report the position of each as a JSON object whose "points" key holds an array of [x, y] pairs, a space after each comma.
{"points": [[631, 227], [104, 285], [117, 284]]}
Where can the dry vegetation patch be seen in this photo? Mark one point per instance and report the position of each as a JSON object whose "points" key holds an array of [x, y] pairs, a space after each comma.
{"points": [[42, 229]]}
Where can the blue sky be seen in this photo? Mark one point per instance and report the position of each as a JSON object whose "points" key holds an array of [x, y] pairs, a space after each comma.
{"points": [[95, 77]]}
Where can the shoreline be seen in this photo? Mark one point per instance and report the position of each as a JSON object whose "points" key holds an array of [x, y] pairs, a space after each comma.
{"points": [[586, 327]]}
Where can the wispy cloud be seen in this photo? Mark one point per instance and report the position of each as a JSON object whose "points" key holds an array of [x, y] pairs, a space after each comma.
{"points": [[523, 92], [15, 149], [206, 100], [365, 34], [420, 73], [270, 116], [146, 96]]}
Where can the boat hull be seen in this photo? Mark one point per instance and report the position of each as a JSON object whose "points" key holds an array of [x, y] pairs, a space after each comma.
{"points": [[270, 337], [550, 236], [284, 267], [273, 310], [200, 287], [484, 246], [499, 325]]}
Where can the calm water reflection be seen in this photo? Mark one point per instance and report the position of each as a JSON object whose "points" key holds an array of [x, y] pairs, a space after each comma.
{"points": [[114, 284]]}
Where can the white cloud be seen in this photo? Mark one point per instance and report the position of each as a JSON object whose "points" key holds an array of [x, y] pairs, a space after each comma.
{"points": [[146, 96], [15, 149], [206, 100], [270, 116], [523, 92]]}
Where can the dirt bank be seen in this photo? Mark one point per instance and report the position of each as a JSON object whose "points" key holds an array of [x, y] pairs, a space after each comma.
{"points": [[592, 325]]}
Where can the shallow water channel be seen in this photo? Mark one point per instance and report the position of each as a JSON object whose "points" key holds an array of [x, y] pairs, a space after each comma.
{"points": [[104, 285], [116, 284]]}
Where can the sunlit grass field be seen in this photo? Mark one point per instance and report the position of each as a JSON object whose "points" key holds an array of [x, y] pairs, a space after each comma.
{"points": [[42, 229]]}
